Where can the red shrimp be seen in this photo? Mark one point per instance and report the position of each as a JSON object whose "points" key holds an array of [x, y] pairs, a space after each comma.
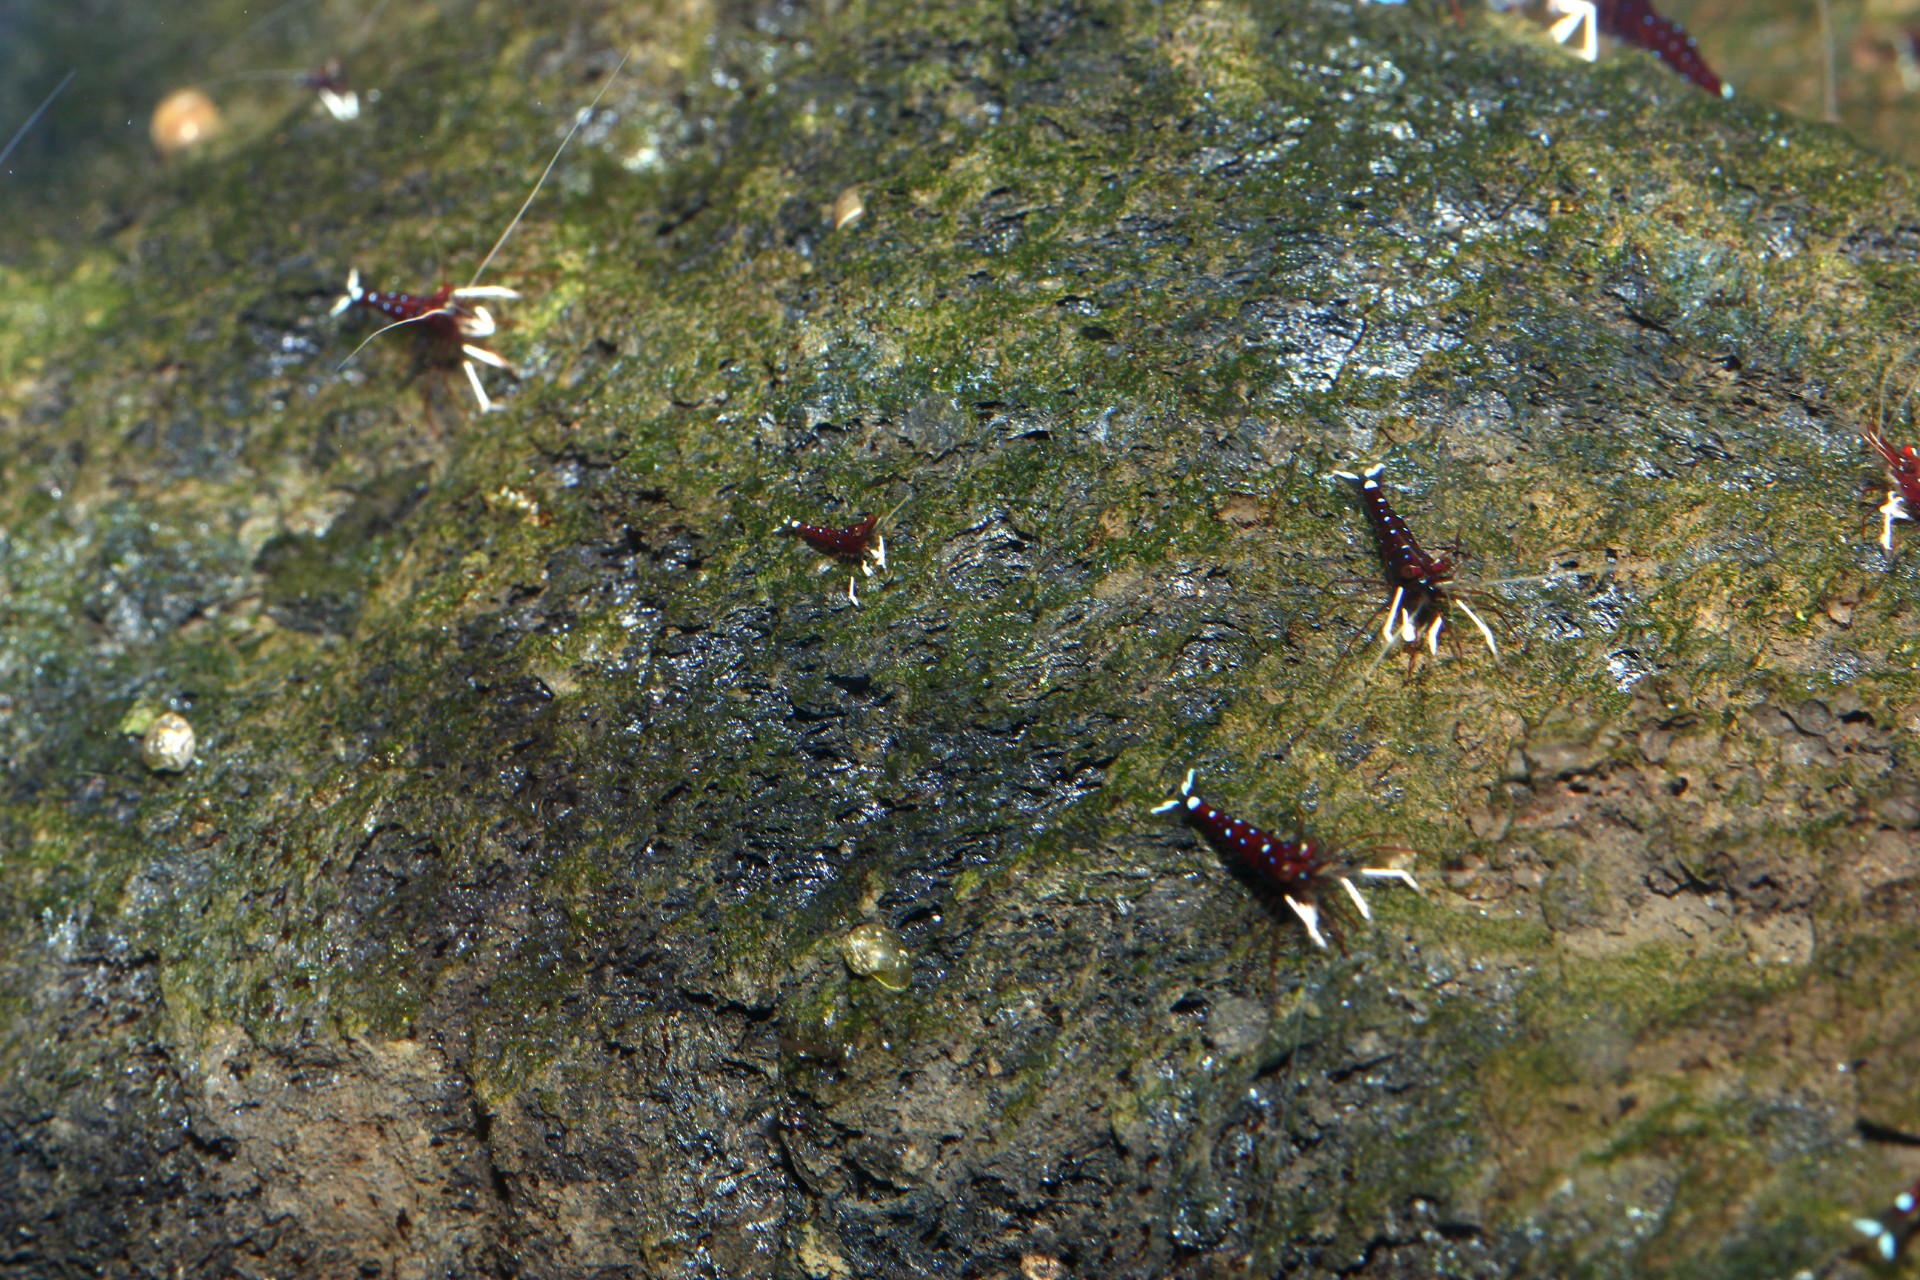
{"points": [[851, 542], [1890, 1231], [861, 542], [1903, 473], [1421, 582], [1636, 22], [448, 313], [330, 83], [1296, 869]]}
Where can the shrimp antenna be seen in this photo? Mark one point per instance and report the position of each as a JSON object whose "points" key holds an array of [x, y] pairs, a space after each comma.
{"points": [[35, 117], [1379, 657], [580, 117], [1883, 416], [1905, 400], [366, 27], [385, 328], [256, 26], [287, 10], [230, 77]]}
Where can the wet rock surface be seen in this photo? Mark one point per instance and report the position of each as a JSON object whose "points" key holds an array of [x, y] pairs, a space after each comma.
{"points": [[499, 925]]}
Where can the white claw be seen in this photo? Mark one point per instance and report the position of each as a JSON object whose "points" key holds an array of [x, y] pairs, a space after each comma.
{"points": [[1485, 633], [485, 356], [1390, 873], [1433, 636], [352, 295], [1580, 14], [1186, 789], [851, 593], [479, 325], [486, 291], [479, 392], [880, 550], [1393, 612], [1876, 1231], [1310, 917], [1893, 509], [341, 106], [1358, 901]]}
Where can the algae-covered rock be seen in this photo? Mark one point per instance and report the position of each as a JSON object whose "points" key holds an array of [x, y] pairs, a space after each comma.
{"points": [[498, 926]]}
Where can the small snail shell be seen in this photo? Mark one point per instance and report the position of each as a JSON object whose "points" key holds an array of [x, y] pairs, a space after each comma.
{"points": [[875, 951], [167, 746], [847, 207], [184, 118]]}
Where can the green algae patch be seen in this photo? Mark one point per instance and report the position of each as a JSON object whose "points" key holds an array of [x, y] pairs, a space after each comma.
{"points": [[41, 317]]}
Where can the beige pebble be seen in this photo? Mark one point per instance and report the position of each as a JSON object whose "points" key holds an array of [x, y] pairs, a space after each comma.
{"points": [[167, 746], [1040, 1266]]}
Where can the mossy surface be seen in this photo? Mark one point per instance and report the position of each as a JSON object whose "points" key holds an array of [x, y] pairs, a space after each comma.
{"points": [[496, 928]]}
